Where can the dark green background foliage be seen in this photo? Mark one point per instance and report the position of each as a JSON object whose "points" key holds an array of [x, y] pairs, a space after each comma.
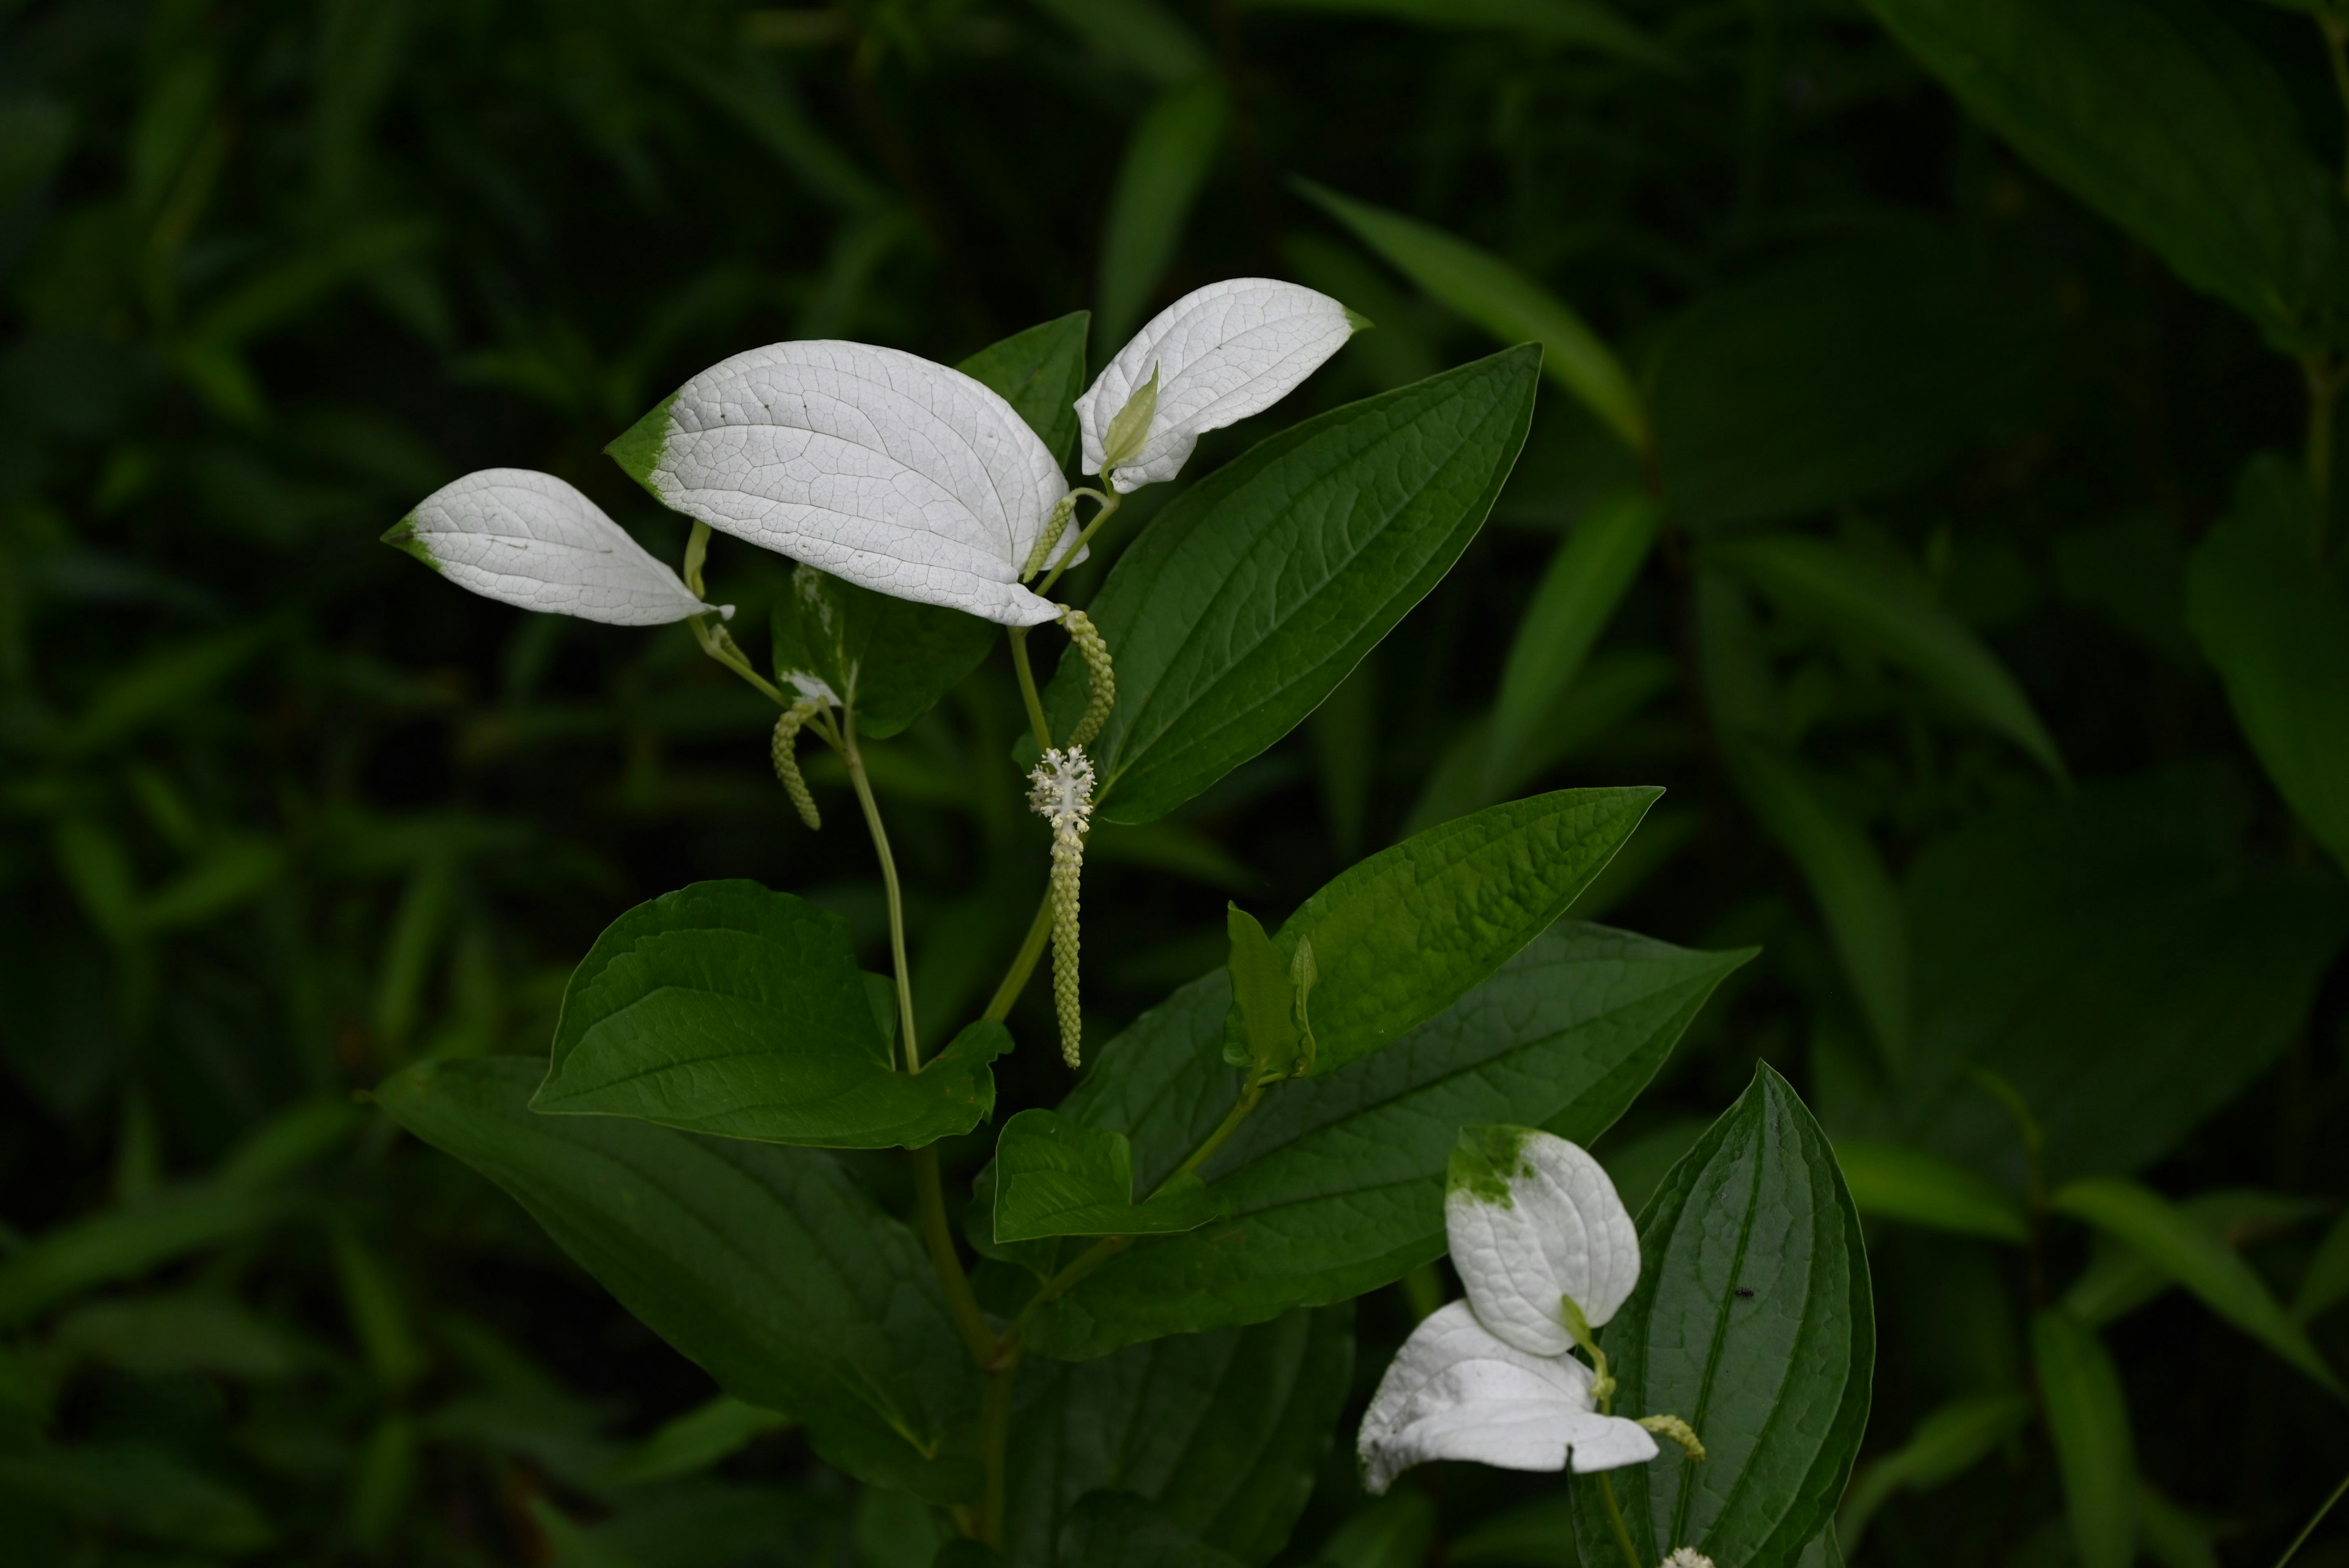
{"points": [[1945, 549]]}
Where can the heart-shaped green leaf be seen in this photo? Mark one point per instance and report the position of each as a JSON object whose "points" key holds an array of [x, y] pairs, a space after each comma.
{"points": [[1057, 1177]]}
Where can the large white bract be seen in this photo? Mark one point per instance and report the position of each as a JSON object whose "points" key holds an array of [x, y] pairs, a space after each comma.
{"points": [[1533, 1219], [1221, 354], [879, 466], [529, 539]]}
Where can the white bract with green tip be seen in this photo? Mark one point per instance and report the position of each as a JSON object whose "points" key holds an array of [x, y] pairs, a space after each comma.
{"points": [[530, 539], [1534, 1225], [1216, 356]]}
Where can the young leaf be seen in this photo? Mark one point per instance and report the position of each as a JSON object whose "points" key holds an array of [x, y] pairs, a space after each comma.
{"points": [[1884, 612], [1222, 1433], [1753, 1321], [2087, 1417], [768, 1267], [1894, 1182], [1039, 373], [892, 659], [726, 1008], [1164, 163], [1336, 1182], [1504, 303], [2275, 622], [1264, 1036], [1946, 1443], [2196, 1259], [2168, 120], [1577, 598], [1246, 601], [1057, 1177]]}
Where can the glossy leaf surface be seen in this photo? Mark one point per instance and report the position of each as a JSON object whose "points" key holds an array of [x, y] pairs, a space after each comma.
{"points": [[1056, 1177]]}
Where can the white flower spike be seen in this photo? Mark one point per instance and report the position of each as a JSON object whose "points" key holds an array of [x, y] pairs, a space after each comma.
{"points": [[531, 539], [1212, 358], [1533, 1219], [876, 466]]}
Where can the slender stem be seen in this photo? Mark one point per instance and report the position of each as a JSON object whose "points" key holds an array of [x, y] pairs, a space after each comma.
{"points": [[995, 1434], [929, 1199], [1028, 688], [1109, 504], [1023, 964], [720, 646], [855, 759], [1631, 1557], [1214, 1140], [2310, 1528]]}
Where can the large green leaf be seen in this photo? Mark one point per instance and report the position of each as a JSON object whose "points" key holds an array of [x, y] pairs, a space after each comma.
{"points": [[1246, 601], [2196, 1259], [1221, 1432], [890, 659], [1753, 1321], [1506, 302], [1039, 373], [1057, 1177], [1839, 376], [768, 1267], [2275, 622], [2115, 959], [2163, 117], [724, 1007], [1400, 936], [2087, 1417], [1336, 1183], [1893, 616]]}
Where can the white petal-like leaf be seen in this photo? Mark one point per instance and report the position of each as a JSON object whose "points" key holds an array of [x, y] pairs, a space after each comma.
{"points": [[1533, 1219], [1455, 1392], [1221, 354], [876, 466], [529, 539]]}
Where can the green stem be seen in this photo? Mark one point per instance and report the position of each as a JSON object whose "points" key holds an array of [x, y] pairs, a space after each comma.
{"points": [[1109, 504], [1023, 964], [855, 759], [2310, 1528], [1631, 1557], [1028, 689], [995, 1435], [930, 1200], [1214, 1140]]}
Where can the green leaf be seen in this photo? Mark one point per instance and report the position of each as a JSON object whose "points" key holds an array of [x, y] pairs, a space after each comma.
{"points": [[1892, 1182], [2171, 1536], [1222, 1433], [2197, 1260], [2325, 1285], [2163, 117], [1140, 35], [1506, 302], [2087, 1417], [123, 1242], [1895, 617], [1534, 1535], [1119, 1529], [1842, 375], [2275, 622], [1264, 1034], [163, 1335], [1336, 1182], [1247, 600], [1562, 21], [767, 1267], [1578, 597], [892, 659], [2119, 1279], [1949, 1441], [1846, 876], [691, 1443], [1165, 164], [1057, 1177], [140, 1492], [1394, 1531], [1751, 1322], [1040, 372], [1399, 936], [723, 1007], [2115, 957]]}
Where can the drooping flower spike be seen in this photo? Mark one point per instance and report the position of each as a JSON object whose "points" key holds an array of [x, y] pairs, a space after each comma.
{"points": [[1534, 1225], [531, 539], [1210, 359]]}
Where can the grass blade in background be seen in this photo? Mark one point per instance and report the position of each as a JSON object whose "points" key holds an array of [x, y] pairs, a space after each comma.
{"points": [[1164, 165], [1891, 1182], [1949, 1441], [2087, 1417]]}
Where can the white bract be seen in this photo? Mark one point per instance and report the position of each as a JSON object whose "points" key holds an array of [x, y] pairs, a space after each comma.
{"points": [[877, 466], [1218, 355], [529, 539], [1534, 1223]]}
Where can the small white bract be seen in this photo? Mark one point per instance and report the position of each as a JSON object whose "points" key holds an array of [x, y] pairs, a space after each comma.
{"points": [[1686, 1557], [1534, 1223], [1061, 791]]}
